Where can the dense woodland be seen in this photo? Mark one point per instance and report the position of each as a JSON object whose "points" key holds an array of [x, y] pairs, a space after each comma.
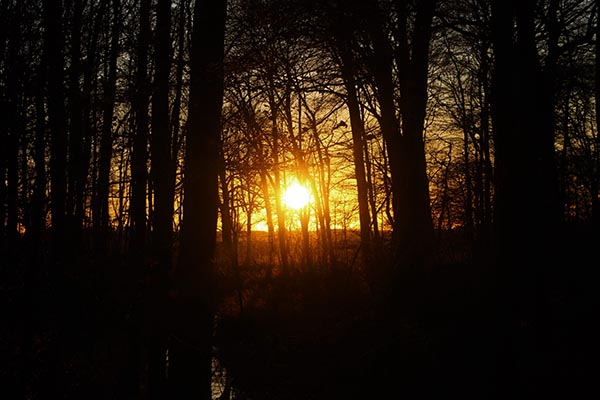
{"points": [[150, 249]]}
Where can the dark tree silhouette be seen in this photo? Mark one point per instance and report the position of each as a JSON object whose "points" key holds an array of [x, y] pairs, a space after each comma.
{"points": [[412, 209], [191, 350], [160, 142], [77, 174], [53, 49], [162, 222], [596, 183], [343, 46], [100, 211], [139, 157], [526, 216]]}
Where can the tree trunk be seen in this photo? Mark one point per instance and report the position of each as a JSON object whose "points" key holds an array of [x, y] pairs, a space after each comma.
{"points": [[191, 351], [53, 54], [37, 223], [14, 132], [88, 97], [139, 157], [381, 67], [32, 280], [486, 164], [101, 217], [358, 151], [526, 212], [4, 18], [226, 219], [3, 147], [249, 210], [176, 137], [162, 222], [76, 172], [596, 184], [160, 142], [281, 230], [264, 184], [412, 215], [57, 126], [343, 45]]}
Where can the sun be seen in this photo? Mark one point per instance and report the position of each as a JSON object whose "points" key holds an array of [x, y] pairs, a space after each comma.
{"points": [[296, 196]]}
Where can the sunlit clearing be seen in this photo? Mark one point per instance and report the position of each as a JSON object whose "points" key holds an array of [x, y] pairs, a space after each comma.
{"points": [[296, 196]]}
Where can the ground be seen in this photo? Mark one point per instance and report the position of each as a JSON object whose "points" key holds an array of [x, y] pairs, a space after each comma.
{"points": [[318, 333]]}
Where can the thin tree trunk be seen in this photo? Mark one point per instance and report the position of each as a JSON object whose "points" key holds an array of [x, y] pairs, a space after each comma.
{"points": [[3, 225], [176, 137], [264, 184], [226, 220], [358, 151], [57, 126], [76, 173], [228, 235], [381, 66], [14, 132], [101, 217], [324, 168], [38, 210], [372, 195], [249, 209], [281, 230], [162, 223], [160, 141], [596, 182], [37, 225], [137, 205], [4, 18], [53, 54], [139, 157], [89, 105]]}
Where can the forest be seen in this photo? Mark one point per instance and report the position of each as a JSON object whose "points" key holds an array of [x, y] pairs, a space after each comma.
{"points": [[299, 199]]}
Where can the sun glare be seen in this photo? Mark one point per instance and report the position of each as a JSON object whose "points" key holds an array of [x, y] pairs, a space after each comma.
{"points": [[296, 196]]}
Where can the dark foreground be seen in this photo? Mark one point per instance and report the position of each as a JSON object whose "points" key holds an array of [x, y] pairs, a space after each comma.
{"points": [[339, 333]]}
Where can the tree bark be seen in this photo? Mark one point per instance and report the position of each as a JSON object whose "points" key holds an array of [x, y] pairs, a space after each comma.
{"points": [[596, 184], [139, 157], [101, 211], [176, 137], [358, 149], [88, 100], [53, 54], [4, 18], [76, 172], [412, 215], [191, 352], [14, 132], [281, 230], [160, 141], [57, 125], [526, 208], [162, 222]]}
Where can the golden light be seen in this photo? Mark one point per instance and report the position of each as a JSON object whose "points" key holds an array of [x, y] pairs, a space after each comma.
{"points": [[296, 196]]}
